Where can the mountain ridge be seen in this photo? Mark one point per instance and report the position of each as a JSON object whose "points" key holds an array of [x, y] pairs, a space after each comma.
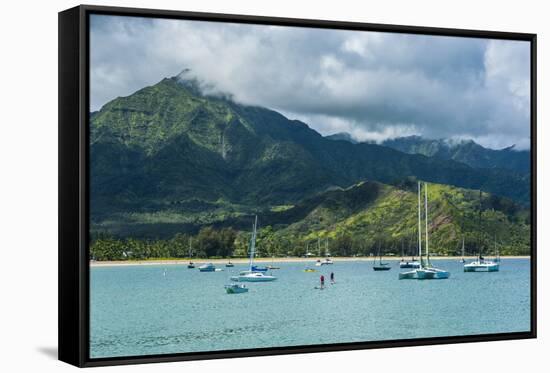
{"points": [[465, 151], [167, 147]]}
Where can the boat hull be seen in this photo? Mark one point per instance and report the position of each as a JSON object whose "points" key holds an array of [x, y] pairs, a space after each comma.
{"points": [[235, 289], [259, 269], [425, 274], [409, 265], [493, 267], [383, 268], [253, 279]]}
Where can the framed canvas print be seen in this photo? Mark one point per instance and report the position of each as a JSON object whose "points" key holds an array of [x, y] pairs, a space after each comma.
{"points": [[233, 186]]}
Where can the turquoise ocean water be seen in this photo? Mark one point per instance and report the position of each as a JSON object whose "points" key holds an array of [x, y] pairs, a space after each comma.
{"points": [[160, 309]]}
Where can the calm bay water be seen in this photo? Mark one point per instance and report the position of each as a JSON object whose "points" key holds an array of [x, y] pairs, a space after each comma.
{"points": [[139, 310]]}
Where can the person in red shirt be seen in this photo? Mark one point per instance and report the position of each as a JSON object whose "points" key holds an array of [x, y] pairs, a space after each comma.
{"points": [[322, 281]]}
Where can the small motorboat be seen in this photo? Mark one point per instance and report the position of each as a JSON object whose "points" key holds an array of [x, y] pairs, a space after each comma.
{"points": [[191, 265], [235, 289], [229, 264], [208, 267], [273, 267]]}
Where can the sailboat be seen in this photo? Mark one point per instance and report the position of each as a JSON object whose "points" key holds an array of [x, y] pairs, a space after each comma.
{"points": [[327, 254], [497, 253], [307, 255], [380, 266], [318, 263], [481, 264], [191, 264], [413, 263], [426, 271], [272, 265], [253, 275], [462, 260]]}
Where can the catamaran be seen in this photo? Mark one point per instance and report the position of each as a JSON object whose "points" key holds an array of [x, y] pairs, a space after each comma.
{"points": [[325, 261], [426, 271], [327, 254], [253, 275], [481, 264]]}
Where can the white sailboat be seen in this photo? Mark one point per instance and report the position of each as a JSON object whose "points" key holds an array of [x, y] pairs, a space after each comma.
{"points": [[463, 260], [327, 254], [481, 264], [251, 275], [325, 261], [426, 271], [413, 263], [191, 264]]}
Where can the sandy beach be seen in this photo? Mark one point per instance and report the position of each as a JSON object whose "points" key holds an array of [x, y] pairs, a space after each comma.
{"points": [[312, 260]]}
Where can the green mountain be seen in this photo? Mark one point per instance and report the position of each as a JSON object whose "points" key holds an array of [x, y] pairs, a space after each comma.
{"points": [[464, 151], [369, 215], [354, 221], [342, 136], [168, 159]]}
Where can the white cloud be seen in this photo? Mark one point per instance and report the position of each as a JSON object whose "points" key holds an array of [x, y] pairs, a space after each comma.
{"points": [[369, 84]]}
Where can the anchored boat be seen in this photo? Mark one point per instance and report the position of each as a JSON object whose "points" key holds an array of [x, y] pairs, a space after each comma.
{"points": [[208, 267], [191, 264], [235, 289], [253, 275], [380, 266], [426, 270], [413, 263], [481, 264]]}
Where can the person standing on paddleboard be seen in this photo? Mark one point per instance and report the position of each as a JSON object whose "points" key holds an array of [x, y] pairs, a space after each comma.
{"points": [[332, 277], [322, 281]]}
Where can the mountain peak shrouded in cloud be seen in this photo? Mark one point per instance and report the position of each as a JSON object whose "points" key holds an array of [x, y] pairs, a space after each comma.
{"points": [[462, 150], [374, 85]]}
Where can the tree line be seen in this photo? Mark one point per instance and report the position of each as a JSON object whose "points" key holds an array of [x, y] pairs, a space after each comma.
{"points": [[227, 242]]}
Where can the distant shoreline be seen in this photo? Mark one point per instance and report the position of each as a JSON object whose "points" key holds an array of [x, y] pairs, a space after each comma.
{"points": [[312, 260]]}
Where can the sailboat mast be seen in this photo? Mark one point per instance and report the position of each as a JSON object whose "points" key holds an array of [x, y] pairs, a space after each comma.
{"points": [[479, 226], [253, 243], [462, 247], [426, 208], [419, 227]]}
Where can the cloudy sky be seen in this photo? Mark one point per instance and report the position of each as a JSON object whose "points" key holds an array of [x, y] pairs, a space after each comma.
{"points": [[372, 85]]}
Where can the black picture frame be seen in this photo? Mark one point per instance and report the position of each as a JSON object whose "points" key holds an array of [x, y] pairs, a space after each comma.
{"points": [[74, 188]]}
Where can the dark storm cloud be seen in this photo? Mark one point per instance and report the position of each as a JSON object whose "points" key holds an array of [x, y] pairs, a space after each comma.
{"points": [[373, 85]]}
